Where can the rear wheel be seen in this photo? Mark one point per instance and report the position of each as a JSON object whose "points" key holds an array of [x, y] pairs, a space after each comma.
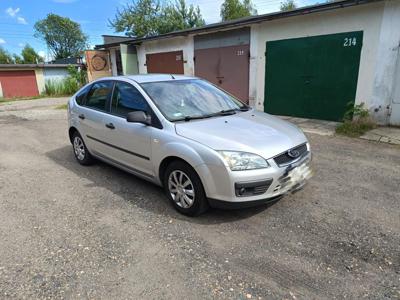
{"points": [[184, 189], [82, 154]]}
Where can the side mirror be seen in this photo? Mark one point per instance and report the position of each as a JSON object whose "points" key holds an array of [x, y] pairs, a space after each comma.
{"points": [[138, 117]]}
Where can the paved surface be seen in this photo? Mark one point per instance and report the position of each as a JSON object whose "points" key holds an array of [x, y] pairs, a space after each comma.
{"points": [[389, 135], [74, 232], [319, 127]]}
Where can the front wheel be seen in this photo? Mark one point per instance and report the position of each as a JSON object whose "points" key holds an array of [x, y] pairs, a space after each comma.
{"points": [[184, 189]]}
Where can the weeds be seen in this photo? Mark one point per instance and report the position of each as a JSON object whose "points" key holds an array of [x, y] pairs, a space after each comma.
{"points": [[356, 121], [68, 86]]}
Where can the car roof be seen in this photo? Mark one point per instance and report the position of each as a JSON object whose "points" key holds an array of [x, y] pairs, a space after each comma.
{"points": [[143, 78]]}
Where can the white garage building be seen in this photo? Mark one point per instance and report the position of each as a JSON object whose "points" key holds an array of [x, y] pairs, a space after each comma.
{"points": [[310, 62]]}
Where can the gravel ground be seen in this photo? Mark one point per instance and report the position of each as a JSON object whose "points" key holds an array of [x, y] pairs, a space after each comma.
{"points": [[73, 232]]}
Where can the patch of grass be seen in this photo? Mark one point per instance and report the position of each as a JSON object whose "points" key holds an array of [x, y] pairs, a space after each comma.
{"points": [[62, 106], [356, 121], [355, 128], [64, 87]]}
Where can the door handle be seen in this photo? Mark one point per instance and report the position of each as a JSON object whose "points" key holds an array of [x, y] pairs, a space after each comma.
{"points": [[81, 116], [110, 125]]}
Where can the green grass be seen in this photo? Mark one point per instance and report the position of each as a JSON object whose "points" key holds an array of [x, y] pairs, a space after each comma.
{"points": [[355, 128], [62, 106], [64, 87]]}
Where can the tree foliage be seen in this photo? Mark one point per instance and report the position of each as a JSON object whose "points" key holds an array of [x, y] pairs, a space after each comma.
{"points": [[143, 18], [235, 9], [63, 36], [5, 57], [288, 5], [30, 56]]}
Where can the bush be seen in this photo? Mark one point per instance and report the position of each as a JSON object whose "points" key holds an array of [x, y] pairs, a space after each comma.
{"points": [[65, 87], [356, 121], [68, 86]]}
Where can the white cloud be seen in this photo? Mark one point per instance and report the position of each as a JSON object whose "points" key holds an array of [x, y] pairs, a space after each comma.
{"points": [[2, 41], [42, 53], [22, 45], [21, 20], [12, 12]]}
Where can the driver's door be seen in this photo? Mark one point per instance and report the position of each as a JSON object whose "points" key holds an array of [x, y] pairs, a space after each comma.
{"points": [[129, 143]]}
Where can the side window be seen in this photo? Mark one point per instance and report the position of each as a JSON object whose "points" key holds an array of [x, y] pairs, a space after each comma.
{"points": [[98, 95], [80, 97], [126, 98]]}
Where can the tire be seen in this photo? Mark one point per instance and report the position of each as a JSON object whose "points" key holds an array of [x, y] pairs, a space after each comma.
{"points": [[186, 193], [81, 153]]}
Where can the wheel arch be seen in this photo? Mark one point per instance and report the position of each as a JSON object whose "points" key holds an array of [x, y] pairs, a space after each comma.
{"points": [[71, 132]]}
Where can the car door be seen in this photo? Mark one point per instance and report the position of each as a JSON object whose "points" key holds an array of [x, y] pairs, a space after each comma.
{"points": [[92, 113], [130, 143]]}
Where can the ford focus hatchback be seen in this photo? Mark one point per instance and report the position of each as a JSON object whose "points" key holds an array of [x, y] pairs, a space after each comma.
{"points": [[202, 145]]}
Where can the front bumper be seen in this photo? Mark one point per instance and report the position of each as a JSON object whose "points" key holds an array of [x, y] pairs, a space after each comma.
{"points": [[221, 184]]}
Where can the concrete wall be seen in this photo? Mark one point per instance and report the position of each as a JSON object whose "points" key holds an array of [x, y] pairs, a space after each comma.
{"points": [[56, 74], [166, 45], [40, 80], [367, 18], [129, 59]]}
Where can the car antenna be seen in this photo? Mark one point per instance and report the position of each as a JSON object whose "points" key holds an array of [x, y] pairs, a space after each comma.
{"points": [[172, 76]]}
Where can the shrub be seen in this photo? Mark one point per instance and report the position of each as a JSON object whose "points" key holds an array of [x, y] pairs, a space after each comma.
{"points": [[67, 86], [356, 121]]}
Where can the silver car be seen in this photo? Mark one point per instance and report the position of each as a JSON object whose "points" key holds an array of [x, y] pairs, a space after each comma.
{"points": [[205, 147]]}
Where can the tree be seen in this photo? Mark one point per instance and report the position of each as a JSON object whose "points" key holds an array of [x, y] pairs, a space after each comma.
{"points": [[179, 16], [234, 9], [17, 59], [63, 36], [29, 56], [144, 18], [288, 5], [5, 57]]}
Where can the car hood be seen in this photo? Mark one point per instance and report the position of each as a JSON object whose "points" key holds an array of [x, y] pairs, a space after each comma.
{"points": [[250, 131]]}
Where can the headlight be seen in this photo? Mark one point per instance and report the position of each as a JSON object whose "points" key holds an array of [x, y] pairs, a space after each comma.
{"points": [[239, 161]]}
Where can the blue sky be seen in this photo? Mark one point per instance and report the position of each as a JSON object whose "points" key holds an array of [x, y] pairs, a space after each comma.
{"points": [[17, 17]]}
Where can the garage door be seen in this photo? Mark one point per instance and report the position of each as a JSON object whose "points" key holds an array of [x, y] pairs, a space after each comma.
{"points": [[18, 84], [223, 59], [227, 67], [312, 77], [166, 62]]}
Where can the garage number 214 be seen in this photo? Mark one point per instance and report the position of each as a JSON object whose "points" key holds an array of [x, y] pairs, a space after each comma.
{"points": [[348, 42]]}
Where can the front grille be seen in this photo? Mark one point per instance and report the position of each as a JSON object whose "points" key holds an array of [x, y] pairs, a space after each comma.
{"points": [[284, 158]]}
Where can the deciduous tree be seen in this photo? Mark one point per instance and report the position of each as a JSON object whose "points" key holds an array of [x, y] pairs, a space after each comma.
{"points": [[63, 36], [235, 9], [30, 56], [288, 5], [143, 18]]}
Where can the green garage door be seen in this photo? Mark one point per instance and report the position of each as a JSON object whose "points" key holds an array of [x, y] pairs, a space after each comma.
{"points": [[313, 77]]}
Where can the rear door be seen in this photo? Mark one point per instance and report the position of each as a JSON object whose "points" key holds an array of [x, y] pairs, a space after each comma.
{"points": [[91, 116], [129, 143]]}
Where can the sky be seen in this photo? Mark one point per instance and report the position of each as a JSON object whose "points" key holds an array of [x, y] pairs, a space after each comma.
{"points": [[17, 18]]}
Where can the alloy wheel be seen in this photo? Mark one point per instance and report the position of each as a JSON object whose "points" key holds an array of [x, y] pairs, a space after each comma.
{"points": [[181, 189]]}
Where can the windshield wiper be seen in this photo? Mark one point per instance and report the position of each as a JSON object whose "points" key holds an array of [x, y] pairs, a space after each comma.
{"points": [[188, 118]]}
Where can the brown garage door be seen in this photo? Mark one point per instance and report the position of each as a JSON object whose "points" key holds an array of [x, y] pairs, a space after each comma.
{"points": [[227, 67], [166, 62], [18, 84]]}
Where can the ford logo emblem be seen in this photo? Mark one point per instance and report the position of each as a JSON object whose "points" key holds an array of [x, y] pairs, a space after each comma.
{"points": [[293, 153]]}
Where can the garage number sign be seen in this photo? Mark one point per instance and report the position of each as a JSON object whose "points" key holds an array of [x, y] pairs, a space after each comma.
{"points": [[348, 42]]}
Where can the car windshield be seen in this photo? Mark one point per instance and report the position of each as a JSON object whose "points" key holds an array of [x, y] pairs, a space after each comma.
{"points": [[191, 99]]}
